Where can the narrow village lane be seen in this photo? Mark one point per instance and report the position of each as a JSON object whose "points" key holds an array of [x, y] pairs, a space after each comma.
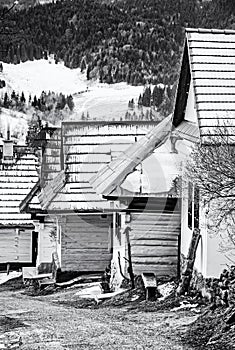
{"points": [[45, 326]]}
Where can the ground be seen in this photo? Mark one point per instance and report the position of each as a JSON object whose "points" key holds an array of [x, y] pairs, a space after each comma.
{"points": [[43, 323]]}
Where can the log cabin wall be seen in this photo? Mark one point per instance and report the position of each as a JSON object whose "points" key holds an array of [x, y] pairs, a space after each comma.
{"points": [[155, 243], [86, 243], [16, 246]]}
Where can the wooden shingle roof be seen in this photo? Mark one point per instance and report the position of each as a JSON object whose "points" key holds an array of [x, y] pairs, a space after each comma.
{"points": [[210, 55], [113, 174], [16, 181], [81, 149]]}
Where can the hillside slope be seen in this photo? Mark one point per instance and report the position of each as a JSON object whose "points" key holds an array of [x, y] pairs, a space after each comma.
{"points": [[134, 41]]}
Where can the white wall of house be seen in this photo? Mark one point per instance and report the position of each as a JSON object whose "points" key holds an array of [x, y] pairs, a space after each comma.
{"points": [[46, 244], [190, 112], [119, 246], [58, 238], [186, 232], [210, 260]]}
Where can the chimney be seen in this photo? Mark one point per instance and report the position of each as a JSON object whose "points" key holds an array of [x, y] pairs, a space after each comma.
{"points": [[7, 153]]}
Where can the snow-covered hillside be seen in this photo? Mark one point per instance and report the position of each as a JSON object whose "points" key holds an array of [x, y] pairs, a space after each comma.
{"points": [[101, 100]]}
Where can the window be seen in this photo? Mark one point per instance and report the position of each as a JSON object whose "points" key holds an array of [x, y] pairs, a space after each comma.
{"points": [[193, 206], [196, 207], [190, 205]]}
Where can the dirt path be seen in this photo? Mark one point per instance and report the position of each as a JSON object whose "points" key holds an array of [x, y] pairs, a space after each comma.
{"points": [[45, 326]]}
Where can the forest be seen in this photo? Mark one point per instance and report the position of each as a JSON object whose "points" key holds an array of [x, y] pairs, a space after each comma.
{"points": [[136, 41]]}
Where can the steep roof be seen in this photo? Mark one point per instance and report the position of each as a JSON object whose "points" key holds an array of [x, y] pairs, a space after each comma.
{"points": [[209, 63], [114, 173], [76, 153], [16, 181]]}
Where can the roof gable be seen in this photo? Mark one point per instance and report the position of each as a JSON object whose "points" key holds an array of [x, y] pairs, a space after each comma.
{"points": [[81, 149], [211, 60], [113, 174]]}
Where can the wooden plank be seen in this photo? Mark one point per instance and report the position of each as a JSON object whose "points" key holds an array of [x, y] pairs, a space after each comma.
{"points": [[221, 36], [217, 106], [156, 260], [84, 251], [83, 245], [92, 266], [153, 251], [153, 235], [212, 52], [154, 242], [219, 45], [159, 270], [225, 61], [156, 229], [86, 259], [90, 227], [154, 214]]}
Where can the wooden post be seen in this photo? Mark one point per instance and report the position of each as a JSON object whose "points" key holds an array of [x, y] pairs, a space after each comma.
{"points": [[187, 274], [8, 269], [130, 268]]}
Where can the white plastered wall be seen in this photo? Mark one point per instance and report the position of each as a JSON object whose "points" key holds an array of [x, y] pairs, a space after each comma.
{"points": [[190, 111], [119, 247], [46, 244], [210, 261], [186, 232]]}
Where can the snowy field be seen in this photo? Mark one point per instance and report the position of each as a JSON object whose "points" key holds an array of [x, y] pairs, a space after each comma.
{"points": [[102, 101]]}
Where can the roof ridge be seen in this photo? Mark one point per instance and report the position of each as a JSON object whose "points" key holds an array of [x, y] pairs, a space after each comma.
{"points": [[207, 30]]}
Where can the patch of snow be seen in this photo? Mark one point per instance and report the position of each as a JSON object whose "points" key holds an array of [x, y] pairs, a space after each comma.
{"points": [[102, 101], [166, 289], [33, 77], [4, 277], [95, 292], [184, 305]]}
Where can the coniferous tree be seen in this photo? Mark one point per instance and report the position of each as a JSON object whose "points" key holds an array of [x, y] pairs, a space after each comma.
{"points": [[23, 53], [6, 100], [22, 98], [70, 102], [146, 100]]}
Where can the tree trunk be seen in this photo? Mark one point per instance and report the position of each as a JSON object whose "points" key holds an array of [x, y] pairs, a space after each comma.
{"points": [[187, 274]]}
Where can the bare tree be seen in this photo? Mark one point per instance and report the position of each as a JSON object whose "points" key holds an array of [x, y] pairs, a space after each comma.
{"points": [[212, 168]]}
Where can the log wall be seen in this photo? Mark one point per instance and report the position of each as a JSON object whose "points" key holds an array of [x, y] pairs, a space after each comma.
{"points": [[155, 243], [15, 246], [86, 243]]}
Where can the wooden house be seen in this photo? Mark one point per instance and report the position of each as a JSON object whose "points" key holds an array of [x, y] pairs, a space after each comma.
{"points": [[18, 174], [84, 221], [204, 101]]}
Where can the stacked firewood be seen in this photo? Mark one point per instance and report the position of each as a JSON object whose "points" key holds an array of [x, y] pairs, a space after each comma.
{"points": [[222, 290], [217, 291]]}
